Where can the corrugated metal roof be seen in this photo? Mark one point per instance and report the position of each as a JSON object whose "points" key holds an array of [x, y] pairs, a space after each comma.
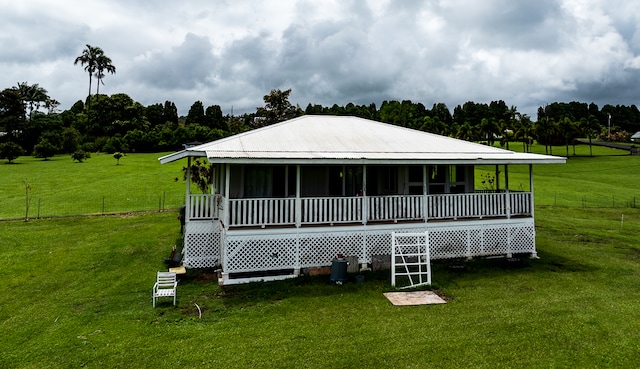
{"points": [[326, 139]]}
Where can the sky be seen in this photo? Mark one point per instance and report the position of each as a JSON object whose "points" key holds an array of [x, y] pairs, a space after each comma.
{"points": [[232, 53]]}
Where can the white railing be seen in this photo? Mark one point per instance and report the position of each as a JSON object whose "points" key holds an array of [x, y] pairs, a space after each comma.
{"points": [[203, 207], [260, 212], [385, 208], [331, 210], [341, 210]]}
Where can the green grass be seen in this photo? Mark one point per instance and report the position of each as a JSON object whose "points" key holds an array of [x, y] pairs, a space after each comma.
{"points": [[609, 179], [61, 187], [76, 292]]}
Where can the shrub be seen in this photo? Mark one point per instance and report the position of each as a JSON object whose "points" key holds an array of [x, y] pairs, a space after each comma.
{"points": [[80, 156], [10, 151], [44, 149]]}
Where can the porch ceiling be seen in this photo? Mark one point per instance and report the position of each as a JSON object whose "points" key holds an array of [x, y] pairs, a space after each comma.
{"points": [[349, 140]]}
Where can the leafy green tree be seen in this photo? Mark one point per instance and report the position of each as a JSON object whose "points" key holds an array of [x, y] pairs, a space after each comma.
{"points": [[117, 156], [214, 117], [12, 113], [201, 175], [70, 140], [80, 156], [10, 151], [44, 149], [170, 112], [196, 114], [277, 108]]}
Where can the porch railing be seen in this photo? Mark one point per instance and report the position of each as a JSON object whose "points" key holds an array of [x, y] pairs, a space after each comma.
{"points": [[385, 208], [204, 207], [331, 210], [259, 212], [340, 210]]}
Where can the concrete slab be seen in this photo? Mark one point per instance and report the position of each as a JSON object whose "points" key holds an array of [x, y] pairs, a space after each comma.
{"points": [[414, 298]]}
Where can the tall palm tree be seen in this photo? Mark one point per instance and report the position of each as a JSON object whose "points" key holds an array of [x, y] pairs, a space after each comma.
{"points": [[89, 59], [103, 64]]}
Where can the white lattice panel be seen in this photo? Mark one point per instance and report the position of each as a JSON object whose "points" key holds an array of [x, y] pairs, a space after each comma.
{"points": [[309, 248], [318, 249], [202, 240], [260, 252], [523, 240]]}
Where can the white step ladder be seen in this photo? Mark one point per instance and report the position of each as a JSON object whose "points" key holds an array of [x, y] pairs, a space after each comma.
{"points": [[410, 258]]}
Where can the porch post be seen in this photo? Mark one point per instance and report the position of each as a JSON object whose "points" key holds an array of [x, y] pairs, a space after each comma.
{"points": [[187, 210], [424, 194], [365, 207], [227, 185], [531, 203], [506, 191], [298, 200]]}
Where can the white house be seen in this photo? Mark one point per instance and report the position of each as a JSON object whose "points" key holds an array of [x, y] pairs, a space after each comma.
{"points": [[295, 194]]}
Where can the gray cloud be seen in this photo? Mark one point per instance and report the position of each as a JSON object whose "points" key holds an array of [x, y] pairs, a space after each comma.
{"points": [[232, 53]]}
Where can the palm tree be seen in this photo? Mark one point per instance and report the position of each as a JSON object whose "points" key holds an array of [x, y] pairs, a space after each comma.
{"points": [[103, 64], [590, 128], [33, 96], [90, 58]]}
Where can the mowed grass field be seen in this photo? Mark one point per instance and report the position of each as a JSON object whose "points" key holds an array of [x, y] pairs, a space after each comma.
{"points": [[76, 292], [61, 187]]}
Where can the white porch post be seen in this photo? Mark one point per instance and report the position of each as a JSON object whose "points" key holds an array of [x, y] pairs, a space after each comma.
{"points": [[424, 194], [506, 191], [531, 189], [365, 207], [187, 210], [298, 200], [298, 210], [225, 206]]}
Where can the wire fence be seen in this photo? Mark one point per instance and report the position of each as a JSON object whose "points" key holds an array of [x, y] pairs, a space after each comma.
{"points": [[587, 201], [51, 207]]}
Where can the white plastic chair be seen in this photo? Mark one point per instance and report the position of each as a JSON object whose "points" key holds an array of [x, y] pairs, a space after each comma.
{"points": [[166, 286]]}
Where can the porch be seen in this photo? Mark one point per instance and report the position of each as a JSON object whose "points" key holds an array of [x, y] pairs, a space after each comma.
{"points": [[313, 211]]}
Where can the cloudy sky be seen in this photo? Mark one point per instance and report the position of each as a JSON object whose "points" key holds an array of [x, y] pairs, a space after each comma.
{"points": [[231, 53]]}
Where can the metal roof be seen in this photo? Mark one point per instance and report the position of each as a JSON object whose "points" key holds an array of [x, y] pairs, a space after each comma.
{"points": [[327, 139]]}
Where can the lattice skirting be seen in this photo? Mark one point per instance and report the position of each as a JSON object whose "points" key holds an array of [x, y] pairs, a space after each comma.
{"points": [[202, 240], [262, 250]]}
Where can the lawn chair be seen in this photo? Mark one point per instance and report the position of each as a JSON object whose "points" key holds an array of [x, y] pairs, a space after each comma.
{"points": [[166, 286]]}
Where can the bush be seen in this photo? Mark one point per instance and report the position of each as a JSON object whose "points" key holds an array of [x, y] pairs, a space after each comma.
{"points": [[10, 151], [80, 156], [44, 149]]}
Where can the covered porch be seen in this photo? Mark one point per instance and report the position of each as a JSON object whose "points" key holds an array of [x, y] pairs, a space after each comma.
{"points": [[439, 199]]}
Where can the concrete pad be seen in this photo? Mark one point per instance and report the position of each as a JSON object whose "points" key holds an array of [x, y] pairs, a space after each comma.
{"points": [[414, 298]]}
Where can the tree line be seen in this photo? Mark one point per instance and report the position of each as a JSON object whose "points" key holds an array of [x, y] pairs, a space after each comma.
{"points": [[31, 124]]}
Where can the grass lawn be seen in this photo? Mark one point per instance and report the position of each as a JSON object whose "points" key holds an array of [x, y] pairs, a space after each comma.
{"points": [[60, 186], [77, 293]]}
